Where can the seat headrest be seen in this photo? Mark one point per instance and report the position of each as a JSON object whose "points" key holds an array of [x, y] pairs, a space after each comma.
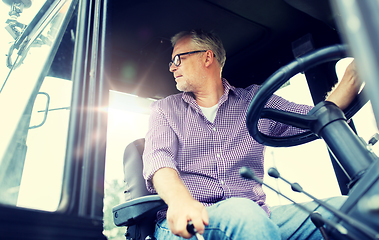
{"points": [[134, 182]]}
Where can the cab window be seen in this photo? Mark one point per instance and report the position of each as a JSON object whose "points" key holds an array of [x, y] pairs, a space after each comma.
{"points": [[128, 117], [35, 108]]}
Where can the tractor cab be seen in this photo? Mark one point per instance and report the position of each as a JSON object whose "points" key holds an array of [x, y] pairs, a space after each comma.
{"points": [[77, 79]]}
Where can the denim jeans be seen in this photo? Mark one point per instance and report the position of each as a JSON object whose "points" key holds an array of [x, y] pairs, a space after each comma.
{"points": [[241, 218]]}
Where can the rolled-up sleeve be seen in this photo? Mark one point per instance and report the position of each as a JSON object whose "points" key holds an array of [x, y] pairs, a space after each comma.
{"points": [[160, 145]]}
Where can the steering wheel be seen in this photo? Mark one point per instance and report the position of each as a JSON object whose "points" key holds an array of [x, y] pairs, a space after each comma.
{"points": [[275, 81]]}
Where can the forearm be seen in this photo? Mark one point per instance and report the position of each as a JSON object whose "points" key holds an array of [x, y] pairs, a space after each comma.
{"points": [[347, 89], [169, 186], [182, 207], [342, 97]]}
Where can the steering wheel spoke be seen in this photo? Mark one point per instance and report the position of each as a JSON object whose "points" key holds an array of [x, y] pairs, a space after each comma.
{"points": [[289, 118]]}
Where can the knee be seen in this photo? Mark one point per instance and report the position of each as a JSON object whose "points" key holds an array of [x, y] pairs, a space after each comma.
{"points": [[242, 217], [335, 202], [241, 211]]}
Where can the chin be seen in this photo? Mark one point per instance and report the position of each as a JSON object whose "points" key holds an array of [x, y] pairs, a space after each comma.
{"points": [[181, 87]]}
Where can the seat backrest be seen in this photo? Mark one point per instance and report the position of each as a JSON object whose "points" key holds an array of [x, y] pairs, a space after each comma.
{"points": [[134, 182], [139, 210]]}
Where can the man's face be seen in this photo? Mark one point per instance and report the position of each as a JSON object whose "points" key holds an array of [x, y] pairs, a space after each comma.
{"points": [[186, 75]]}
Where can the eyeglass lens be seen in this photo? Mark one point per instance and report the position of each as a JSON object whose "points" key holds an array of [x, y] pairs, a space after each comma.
{"points": [[175, 61]]}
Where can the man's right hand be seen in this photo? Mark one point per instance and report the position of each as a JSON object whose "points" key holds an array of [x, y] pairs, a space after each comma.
{"points": [[182, 207], [181, 212]]}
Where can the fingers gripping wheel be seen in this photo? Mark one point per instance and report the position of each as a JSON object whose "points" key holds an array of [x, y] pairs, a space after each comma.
{"points": [[274, 82]]}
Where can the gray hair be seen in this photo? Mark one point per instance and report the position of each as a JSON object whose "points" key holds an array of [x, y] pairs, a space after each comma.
{"points": [[205, 40]]}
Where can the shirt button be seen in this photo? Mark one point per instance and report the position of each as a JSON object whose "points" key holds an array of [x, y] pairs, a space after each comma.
{"points": [[218, 155], [222, 182], [214, 129]]}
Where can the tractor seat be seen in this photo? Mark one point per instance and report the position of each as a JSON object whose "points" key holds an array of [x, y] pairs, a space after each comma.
{"points": [[139, 210]]}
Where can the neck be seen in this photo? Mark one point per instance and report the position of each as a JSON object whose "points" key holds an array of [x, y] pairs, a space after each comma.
{"points": [[210, 94]]}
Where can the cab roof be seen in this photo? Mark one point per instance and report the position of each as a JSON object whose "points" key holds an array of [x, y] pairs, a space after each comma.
{"points": [[259, 36]]}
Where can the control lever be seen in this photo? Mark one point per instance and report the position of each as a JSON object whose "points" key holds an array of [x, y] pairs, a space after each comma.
{"points": [[319, 223], [191, 229], [273, 172], [374, 139], [249, 174]]}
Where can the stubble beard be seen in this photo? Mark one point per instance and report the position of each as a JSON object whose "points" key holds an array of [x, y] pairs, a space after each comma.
{"points": [[183, 86]]}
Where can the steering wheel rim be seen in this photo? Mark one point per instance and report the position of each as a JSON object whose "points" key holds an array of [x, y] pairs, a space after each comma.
{"points": [[257, 111]]}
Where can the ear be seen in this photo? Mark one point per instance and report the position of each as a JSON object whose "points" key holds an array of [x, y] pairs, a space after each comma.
{"points": [[209, 58]]}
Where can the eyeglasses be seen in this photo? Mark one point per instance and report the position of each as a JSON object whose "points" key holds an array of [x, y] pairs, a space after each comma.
{"points": [[176, 60]]}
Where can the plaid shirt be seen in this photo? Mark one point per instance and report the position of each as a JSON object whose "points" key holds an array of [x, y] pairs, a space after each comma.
{"points": [[208, 156]]}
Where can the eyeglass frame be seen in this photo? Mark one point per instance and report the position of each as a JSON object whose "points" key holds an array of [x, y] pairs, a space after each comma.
{"points": [[181, 54]]}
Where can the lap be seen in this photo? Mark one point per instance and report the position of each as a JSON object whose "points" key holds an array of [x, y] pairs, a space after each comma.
{"points": [[240, 218], [234, 218]]}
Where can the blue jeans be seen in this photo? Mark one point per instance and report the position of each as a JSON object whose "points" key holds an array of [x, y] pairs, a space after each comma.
{"points": [[241, 218]]}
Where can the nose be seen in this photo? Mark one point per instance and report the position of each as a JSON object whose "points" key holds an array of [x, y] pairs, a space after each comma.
{"points": [[172, 68]]}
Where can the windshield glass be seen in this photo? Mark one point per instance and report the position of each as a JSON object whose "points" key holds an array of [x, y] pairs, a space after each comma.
{"points": [[32, 105]]}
